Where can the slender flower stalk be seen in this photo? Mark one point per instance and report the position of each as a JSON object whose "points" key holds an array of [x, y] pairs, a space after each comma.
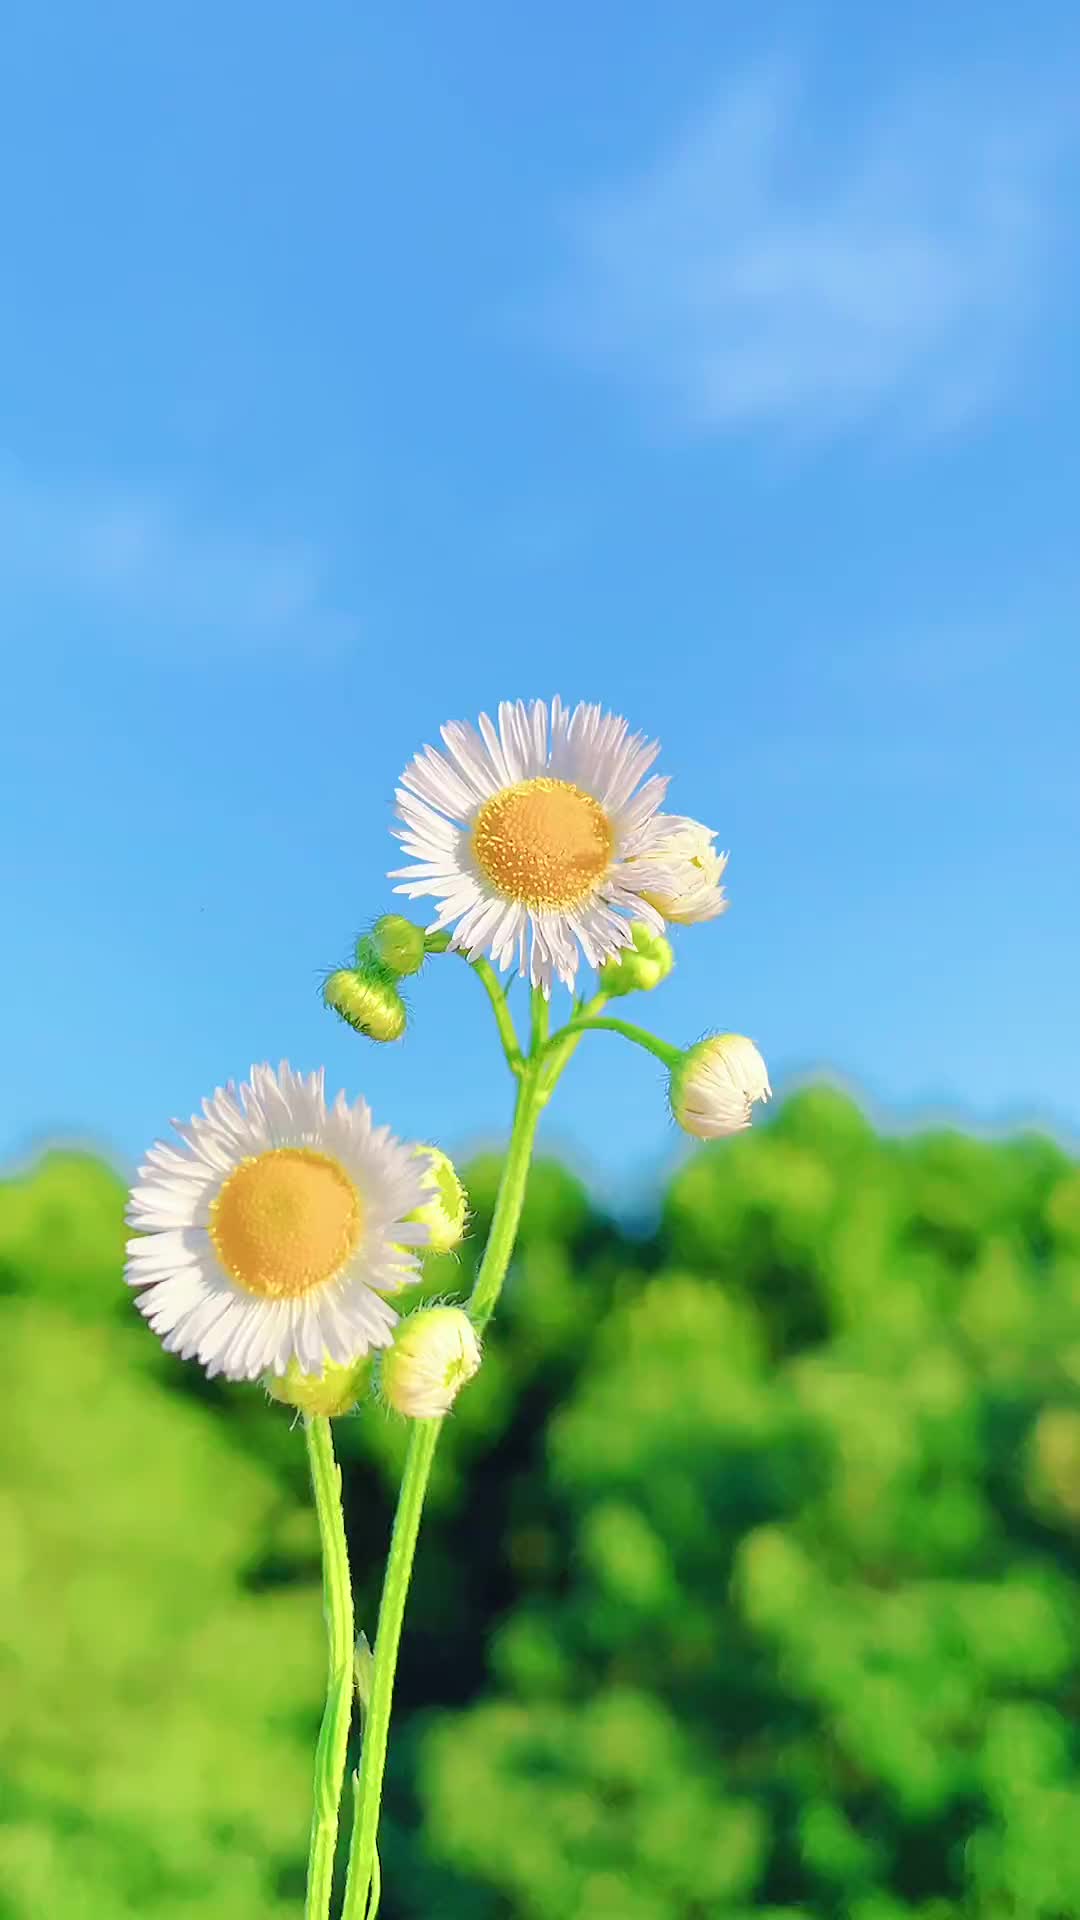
{"points": [[509, 1201], [533, 1089], [641, 1037], [423, 1440], [504, 1019], [540, 1020], [337, 1714]]}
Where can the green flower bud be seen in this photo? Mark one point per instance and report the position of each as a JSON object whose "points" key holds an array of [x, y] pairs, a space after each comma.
{"points": [[446, 1213], [334, 1391], [640, 966], [434, 1353], [398, 943], [368, 1002]]}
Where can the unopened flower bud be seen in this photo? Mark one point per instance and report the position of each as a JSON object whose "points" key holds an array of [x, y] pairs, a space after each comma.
{"points": [[447, 1211], [693, 891], [398, 943], [434, 1353], [715, 1085], [334, 1391], [369, 1002], [638, 967]]}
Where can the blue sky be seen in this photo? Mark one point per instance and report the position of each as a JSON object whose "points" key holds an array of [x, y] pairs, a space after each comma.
{"points": [[361, 372]]}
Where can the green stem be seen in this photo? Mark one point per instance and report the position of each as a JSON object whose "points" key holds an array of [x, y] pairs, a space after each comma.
{"points": [[418, 1462], [559, 1050], [504, 1019], [541, 1020], [496, 993], [639, 1035], [376, 1886], [509, 1201], [421, 1452], [338, 1611]]}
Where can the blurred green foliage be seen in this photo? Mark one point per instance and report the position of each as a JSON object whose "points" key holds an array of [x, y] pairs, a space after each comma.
{"points": [[749, 1584]]}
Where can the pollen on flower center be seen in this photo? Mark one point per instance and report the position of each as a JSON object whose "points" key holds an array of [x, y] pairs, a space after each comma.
{"points": [[544, 842], [285, 1221]]}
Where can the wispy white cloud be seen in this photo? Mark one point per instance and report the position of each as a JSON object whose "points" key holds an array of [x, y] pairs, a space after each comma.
{"points": [[777, 265], [158, 573]]}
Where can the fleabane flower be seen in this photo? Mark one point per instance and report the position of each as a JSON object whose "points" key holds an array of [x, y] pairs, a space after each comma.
{"points": [[694, 892], [540, 841], [272, 1234], [715, 1085]]}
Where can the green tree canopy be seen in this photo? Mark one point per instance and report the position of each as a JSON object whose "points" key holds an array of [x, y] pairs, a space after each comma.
{"points": [[750, 1584]]}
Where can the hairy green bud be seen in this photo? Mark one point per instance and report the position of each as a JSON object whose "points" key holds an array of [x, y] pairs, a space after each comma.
{"points": [[368, 1001], [398, 943], [334, 1391], [445, 1214], [639, 967]]}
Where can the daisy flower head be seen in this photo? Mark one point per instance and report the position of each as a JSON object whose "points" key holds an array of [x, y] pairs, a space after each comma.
{"points": [[271, 1235], [538, 837]]}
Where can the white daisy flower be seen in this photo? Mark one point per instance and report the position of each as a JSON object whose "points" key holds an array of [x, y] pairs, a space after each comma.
{"points": [[540, 844], [696, 893], [273, 1234], [715, 1086]]}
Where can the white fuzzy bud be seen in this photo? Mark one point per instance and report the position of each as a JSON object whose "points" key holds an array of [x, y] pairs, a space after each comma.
{"points": [[693, 891], [435, 1352], [715, 1086]]}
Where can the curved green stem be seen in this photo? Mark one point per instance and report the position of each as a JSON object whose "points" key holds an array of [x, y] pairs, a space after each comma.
{"points": [[338, 1610], [504, 1019], [639, 1035], [509, 1201], [496, 993]]}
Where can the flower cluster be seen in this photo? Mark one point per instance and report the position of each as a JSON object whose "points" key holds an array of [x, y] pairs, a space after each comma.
{"points": [[273, 1239]]}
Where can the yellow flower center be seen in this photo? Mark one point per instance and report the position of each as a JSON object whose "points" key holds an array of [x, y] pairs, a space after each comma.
{"points": [[544, 842], [285, 1221]]}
